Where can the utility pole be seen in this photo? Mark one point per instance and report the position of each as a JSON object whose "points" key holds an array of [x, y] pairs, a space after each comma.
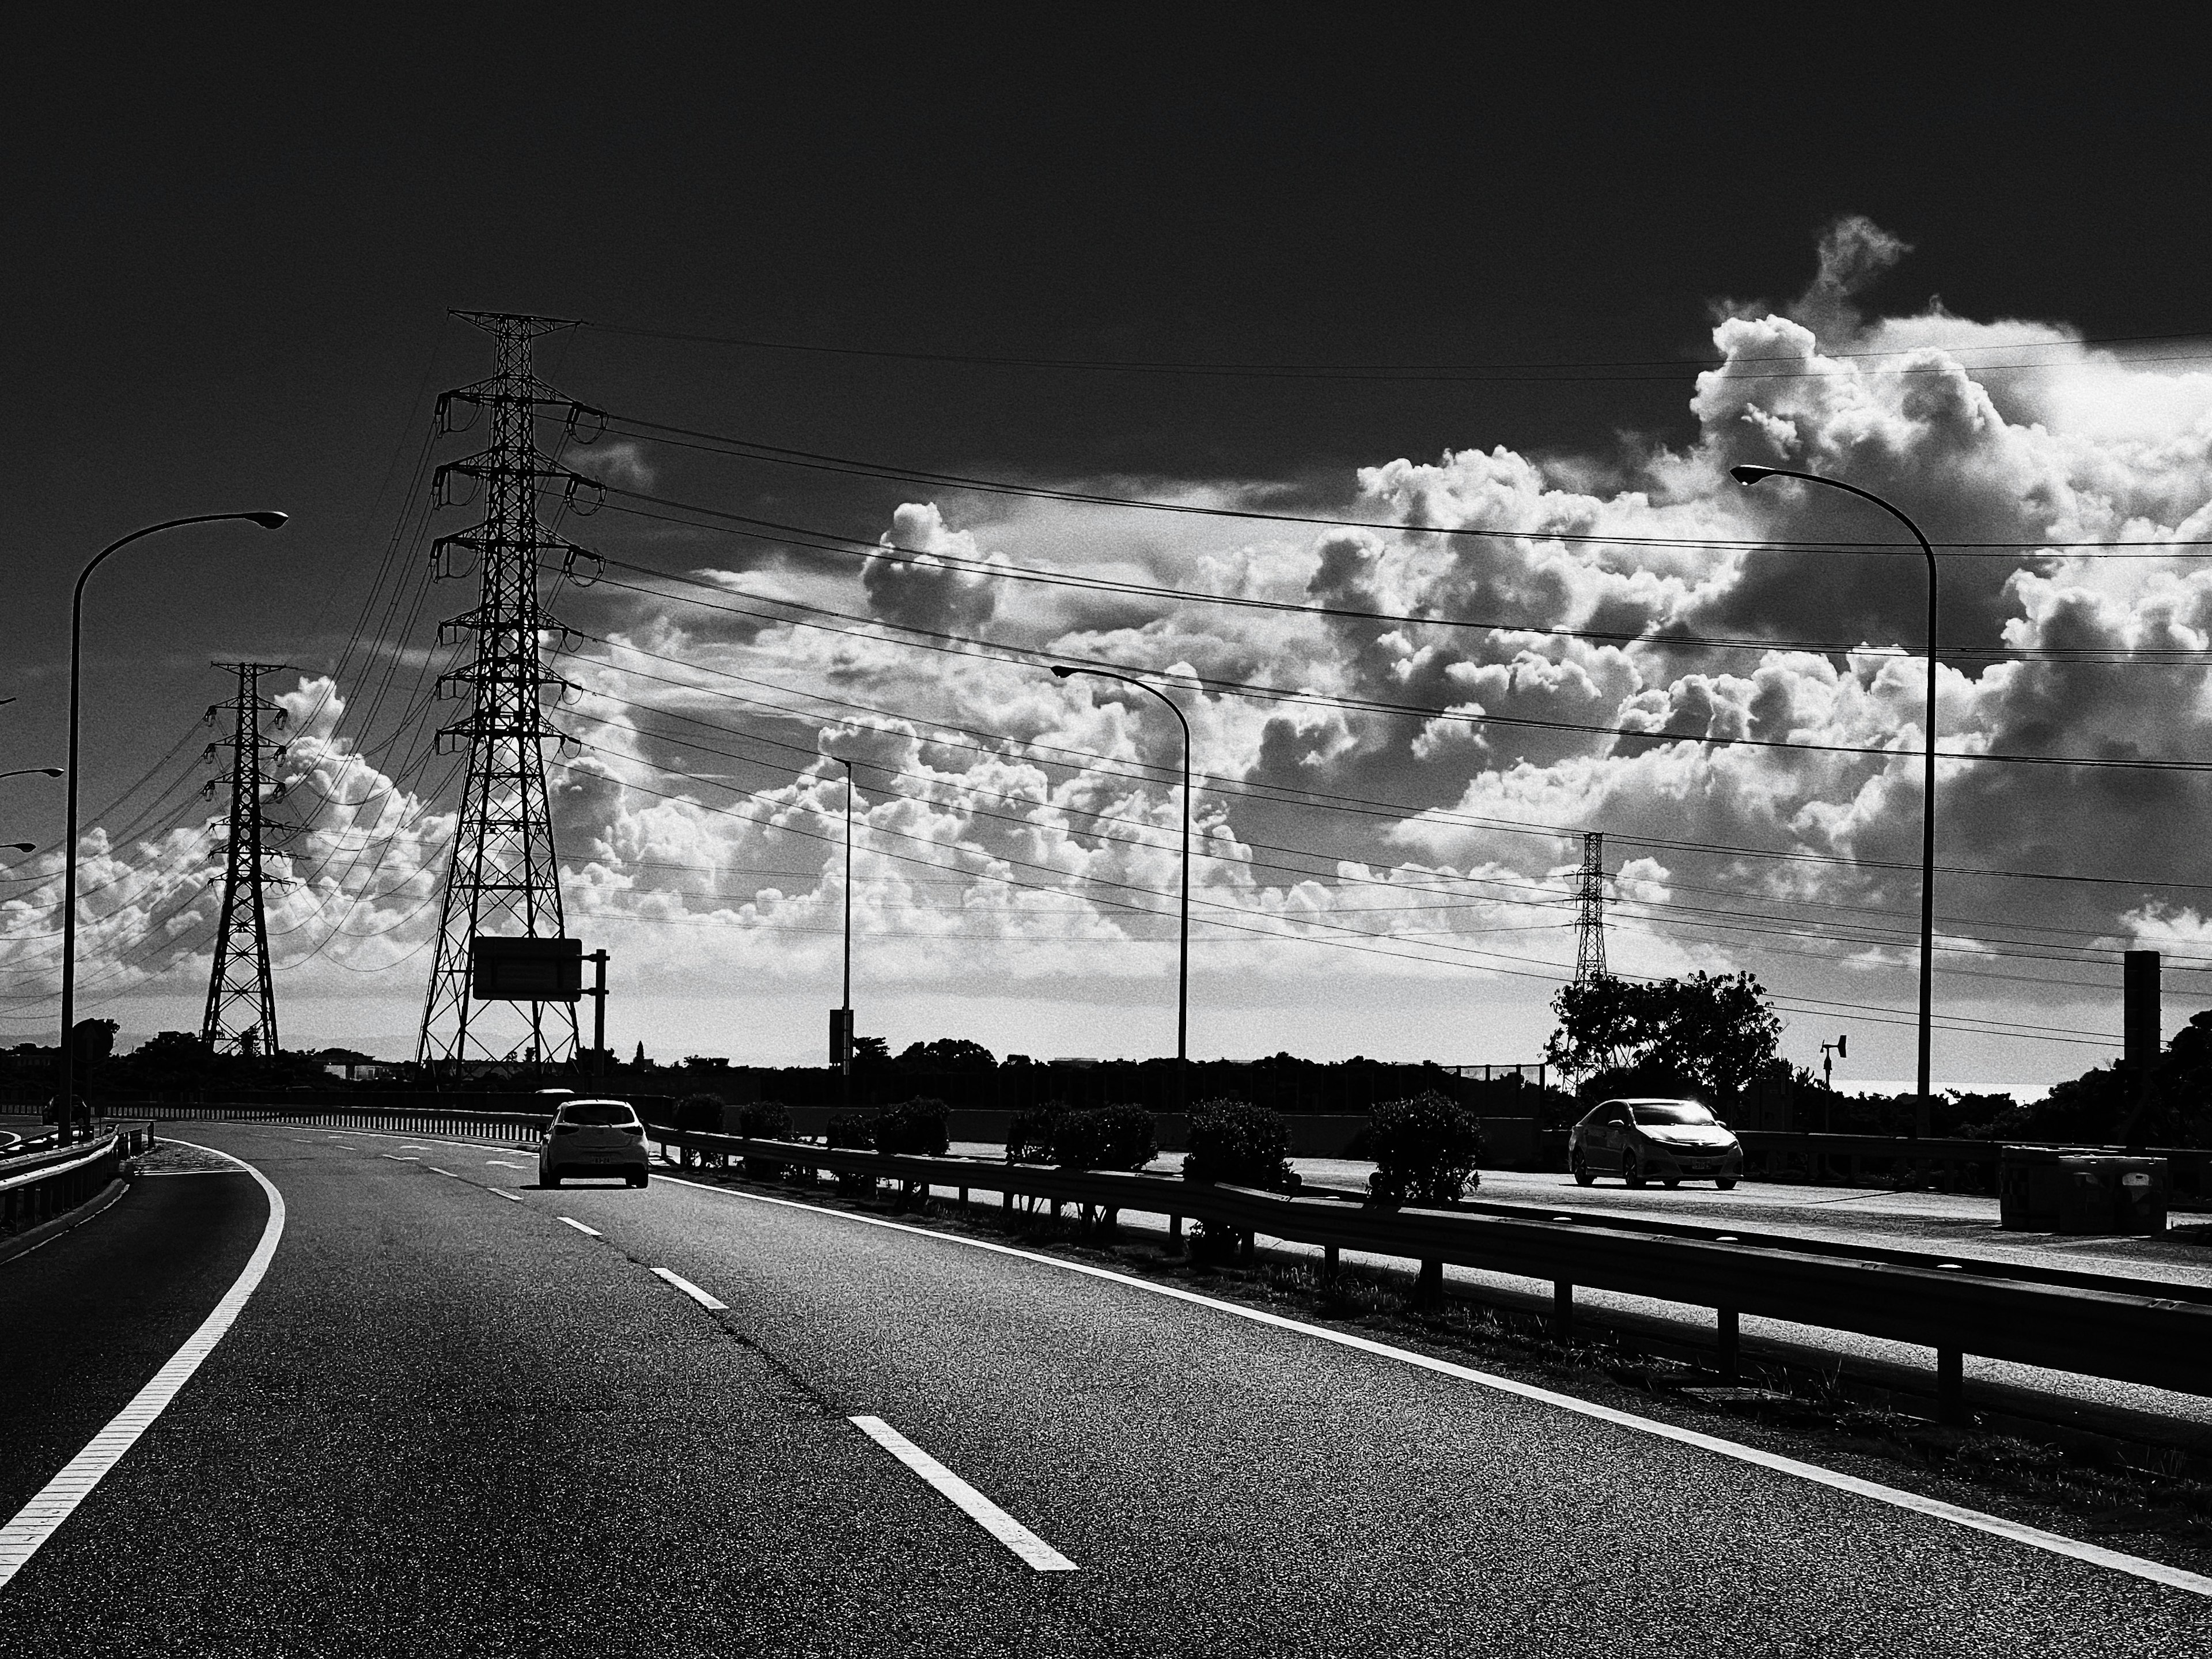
{"points": [[503, 878], [242, 1000], [1589, 912]]}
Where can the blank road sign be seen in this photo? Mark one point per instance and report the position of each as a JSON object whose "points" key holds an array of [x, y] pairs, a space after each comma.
{"points": [[526, 970]]}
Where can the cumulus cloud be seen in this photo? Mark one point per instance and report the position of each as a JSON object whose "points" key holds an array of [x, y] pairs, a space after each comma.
{"points": [[1730, 684]]}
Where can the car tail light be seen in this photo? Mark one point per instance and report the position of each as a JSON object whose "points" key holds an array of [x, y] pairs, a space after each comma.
{"points": [[637, 1129], [564, 1129]]}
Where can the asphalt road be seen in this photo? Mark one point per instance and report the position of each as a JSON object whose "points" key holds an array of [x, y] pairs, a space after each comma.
{"points": [[449, 1421]]}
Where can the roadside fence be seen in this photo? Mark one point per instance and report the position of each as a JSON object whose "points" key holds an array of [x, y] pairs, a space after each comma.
{"points": [[2149, 1331]]}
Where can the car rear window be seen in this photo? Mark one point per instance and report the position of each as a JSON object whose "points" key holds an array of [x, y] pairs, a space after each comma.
{"points": [[1671, 1111], [596, 1112]]}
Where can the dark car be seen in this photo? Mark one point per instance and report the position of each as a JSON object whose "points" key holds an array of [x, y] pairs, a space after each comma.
{"points": [[1666, 1140]]}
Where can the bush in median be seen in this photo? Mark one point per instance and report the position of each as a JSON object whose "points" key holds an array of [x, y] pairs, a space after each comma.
{"points": [[1425, 1150], [765, 1120], [1105, 1138], [850, 1132], [915, 1128], [1239, 1145], [1032, 1134]]}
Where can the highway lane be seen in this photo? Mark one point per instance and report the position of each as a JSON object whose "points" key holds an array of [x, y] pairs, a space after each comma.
{"points": [[89, 1315], [449, 1419]]}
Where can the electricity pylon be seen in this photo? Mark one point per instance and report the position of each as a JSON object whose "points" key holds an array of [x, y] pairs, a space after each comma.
{"points": [[1589, 912], [503, 878], [242, 1000]]}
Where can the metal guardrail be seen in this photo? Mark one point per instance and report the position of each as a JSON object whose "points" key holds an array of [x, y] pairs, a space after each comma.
{"points": [[508, 1129], [2150, 1332], [37, 1189]]}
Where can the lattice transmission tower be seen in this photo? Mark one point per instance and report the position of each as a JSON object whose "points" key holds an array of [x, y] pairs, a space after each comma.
{"points": [[1589, 912], [503, 879], [242, 1000]]}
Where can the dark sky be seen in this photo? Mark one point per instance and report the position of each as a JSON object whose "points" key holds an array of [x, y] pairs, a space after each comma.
{"points": [[230, 256]]}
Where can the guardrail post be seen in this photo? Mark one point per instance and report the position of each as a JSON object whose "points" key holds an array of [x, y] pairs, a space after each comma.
{"points": [[964, 1201], [1563, 1307], [1175, 1235], [1724, 1320], [1429, 1286], [1950, 1386], [1328, 1262]]}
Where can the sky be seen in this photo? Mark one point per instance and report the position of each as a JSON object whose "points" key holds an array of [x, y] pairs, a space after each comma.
{"points": [[1530, 293]]}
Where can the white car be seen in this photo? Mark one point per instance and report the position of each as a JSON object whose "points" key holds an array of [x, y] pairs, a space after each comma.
{"points": [[1665, 1141], [593, 1137]]}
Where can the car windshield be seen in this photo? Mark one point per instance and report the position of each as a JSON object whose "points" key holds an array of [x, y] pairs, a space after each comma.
{"points": [[596, 1111], [1671, 1111]]}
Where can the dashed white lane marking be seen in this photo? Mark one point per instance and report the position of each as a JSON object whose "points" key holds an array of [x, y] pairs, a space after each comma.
{"points": [[401, 1157], [36, 1521], [964, 1498], [501, 1163], [579, 1226], [691, 1289], [1974, 1520], [501, 1192], [434, 1169]]}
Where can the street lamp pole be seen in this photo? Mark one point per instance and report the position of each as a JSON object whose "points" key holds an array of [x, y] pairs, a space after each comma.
{"points": [[1183, 967], [1748, 476], [845, 1004], [65, 1064]]}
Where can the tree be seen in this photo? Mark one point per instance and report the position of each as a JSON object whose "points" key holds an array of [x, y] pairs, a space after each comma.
{"points": [[1717, 1032], [948, 1055]]}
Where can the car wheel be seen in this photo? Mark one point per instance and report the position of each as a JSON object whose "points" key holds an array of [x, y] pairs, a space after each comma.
{"points": [[640, 1179], [1631, 1170], [1725, 1182], [1671, 1182], [1583, 1176], [549, 1178]]}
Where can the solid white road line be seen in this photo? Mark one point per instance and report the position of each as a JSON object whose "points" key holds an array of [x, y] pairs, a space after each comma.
{"points": [[579, 1226], [964, 1498], [691, 1289], [36, 1521], [2034, 1537]]}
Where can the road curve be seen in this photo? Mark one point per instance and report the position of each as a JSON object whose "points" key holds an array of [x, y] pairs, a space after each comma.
{"points": [[484, 1424]]}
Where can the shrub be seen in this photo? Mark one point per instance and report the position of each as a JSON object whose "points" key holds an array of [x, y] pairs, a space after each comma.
{"points": [[1105, 1138], [1425, 1150], [850, 1132], [700, 1112], [765, 1120], [1032, 1134], [1239, 1145], [914, 1128]]}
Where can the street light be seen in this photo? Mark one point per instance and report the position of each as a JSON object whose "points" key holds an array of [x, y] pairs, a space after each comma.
{"points": [[1061, 671], [1748, 476], [845, 1006], [65, 1067], [33, 771]]}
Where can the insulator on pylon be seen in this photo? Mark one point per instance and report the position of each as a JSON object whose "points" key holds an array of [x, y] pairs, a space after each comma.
{"points": [[585, 424], [447, 421], [571, 570], [584, 497]]}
